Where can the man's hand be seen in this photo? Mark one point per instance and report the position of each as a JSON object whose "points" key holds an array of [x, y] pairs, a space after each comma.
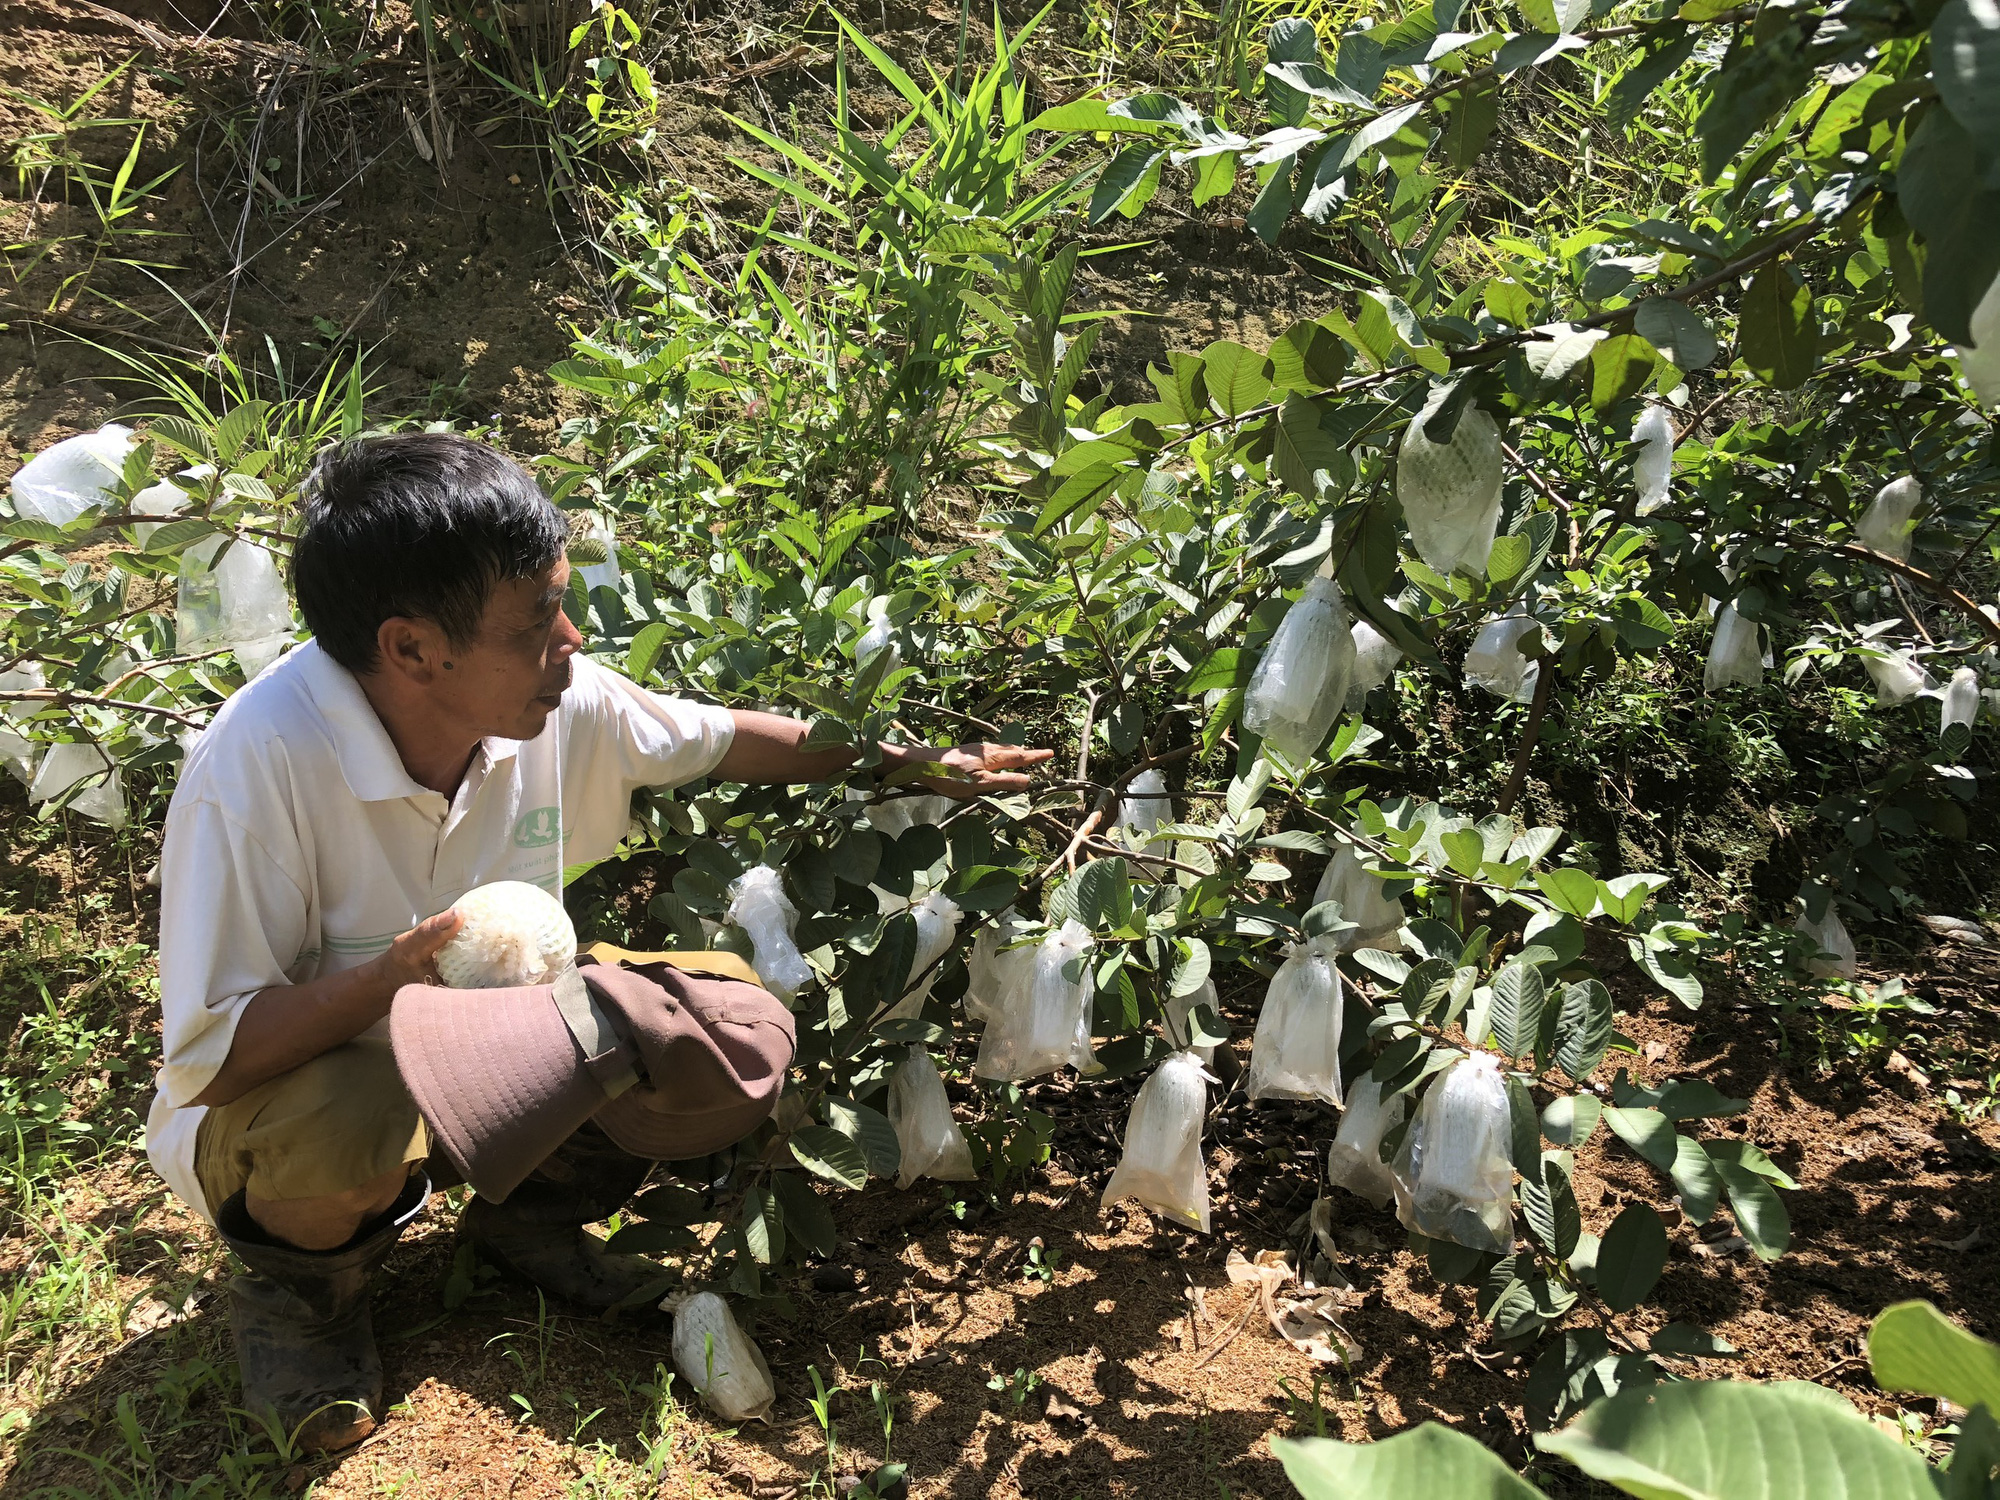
{"points": [[412, 958], [982, 770]]}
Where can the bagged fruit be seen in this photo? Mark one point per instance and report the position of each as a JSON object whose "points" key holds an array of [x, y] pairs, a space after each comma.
{"points": [[64, 765], [1896, 674], [1375, 914], [1891, 517], [1301, 680], [1180, 1017], [234, 602], [758, 905], [513, 933], [1829, 935], [937, 917], [1296, 1053], [1496, 662], [596, 553], [1041, 1021], [1981, 360], [1733, 654], [18, 753], [1162, 1166], [1653, 463], [1354, 1160], [1454, 1178], [1960, 703], [718, 1359], [1375, 658], [62, 482], [930, 1140], [990, 970], [1142, 811], [1450, 493], [878, 637]]}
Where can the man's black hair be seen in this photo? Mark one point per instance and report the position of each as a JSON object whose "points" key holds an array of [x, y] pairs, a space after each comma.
{"points": [[421, 525]]}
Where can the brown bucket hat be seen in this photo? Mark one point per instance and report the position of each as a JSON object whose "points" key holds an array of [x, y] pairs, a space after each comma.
{"points": [[670, 1063]]}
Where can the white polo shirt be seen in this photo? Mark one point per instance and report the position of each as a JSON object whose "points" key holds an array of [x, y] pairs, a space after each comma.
{"points": [[297, 845]]}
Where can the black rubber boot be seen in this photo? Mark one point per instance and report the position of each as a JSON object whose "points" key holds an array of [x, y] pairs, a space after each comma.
{"points": [[303, 1335], [538, 1234]]}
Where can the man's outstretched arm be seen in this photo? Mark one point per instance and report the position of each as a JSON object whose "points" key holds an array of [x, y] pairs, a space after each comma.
{"points": [[766, 749]]}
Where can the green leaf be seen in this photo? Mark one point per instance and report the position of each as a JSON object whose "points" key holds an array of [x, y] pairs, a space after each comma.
{"points": [[1474, 113], [1124, 177], [1942, 190], [1550, 1208], [1571, 1120], [1620, 366], [1631, 1257], [1646, 1131], [1695, 1179], [1677, 331], [1104, 894], [1192, 971], [1583, 1028], [1914, 1347], [670, 1203], [1571, 890], [1760, 1213], [1431, 1462], [807, 1218], [763, 1225], [1309, 358], [1518, 993], [1965, 61], [1736, 1440], [871, 1131], [1779, 332], [1301, 448], [826, 1152], [1238, 378], [175, 535], [646, 647]]}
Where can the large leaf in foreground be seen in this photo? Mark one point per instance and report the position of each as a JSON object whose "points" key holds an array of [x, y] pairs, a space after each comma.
{"points": [[1914, 1347], [1427, 1463], [1735, 1440]]}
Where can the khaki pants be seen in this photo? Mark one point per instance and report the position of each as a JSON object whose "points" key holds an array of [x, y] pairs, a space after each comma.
{"points": [[344, 1119]]}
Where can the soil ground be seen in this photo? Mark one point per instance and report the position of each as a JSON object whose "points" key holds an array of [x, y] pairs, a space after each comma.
{"points": [[1156, 1376]]}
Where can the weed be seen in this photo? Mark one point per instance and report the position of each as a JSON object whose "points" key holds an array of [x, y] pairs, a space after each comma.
{"points": [[1018, 1387]]}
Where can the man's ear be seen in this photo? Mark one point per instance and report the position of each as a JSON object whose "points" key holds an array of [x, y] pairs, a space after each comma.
{"points": [[412, 649]]}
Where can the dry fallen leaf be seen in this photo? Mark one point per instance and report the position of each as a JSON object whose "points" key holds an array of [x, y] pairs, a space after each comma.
{"points": [[1308, 1324]]}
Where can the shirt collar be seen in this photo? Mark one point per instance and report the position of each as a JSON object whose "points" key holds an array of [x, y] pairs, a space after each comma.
{"points": [[368, 759]]}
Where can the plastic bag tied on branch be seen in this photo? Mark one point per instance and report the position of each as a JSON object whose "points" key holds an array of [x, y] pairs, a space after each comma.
{"points": [[1454, 1175], [1354, 1160], [932, 1144], [1450, 492], [1162, 1165], [1363, 901], [1296, 1051], [758, 905], [718, 1359], [1300, 685], [1041, 1019]]}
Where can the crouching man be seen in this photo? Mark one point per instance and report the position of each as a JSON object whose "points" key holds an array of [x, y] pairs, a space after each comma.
{"points": [[439, 732]]}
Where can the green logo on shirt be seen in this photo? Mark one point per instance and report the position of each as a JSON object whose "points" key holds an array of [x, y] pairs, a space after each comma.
{"points": [[538, 827]]}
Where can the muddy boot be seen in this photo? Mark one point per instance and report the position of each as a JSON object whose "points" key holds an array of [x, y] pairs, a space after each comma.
{"points": [[303, 1335], [538, 1234]]}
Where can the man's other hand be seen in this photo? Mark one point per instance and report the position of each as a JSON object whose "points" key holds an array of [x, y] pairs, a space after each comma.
{"points": [[412, 958], [980, 770]]}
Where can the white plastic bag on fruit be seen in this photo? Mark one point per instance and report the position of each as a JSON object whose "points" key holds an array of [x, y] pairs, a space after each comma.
{"points": [[1960, 700], [1886, 525], [718, 1359], [64, 765], [1354, 1160], [879, 636], [937, 917], [512, 933], [929, 1138], [1363, 901], [62, 482], [1179, 1025], [1829, 935], [1653, 464], [995, 967], [1454, 1178], [1296, 1051], [1733, 654], [18, 753], [1375, 658], [1451, 493], [758, 905], [235, 602], [897, 815], [1162, 1166], [597, 534], [1041, 1021], [1896, 675], [1142, 811], [1495, 662], [1981, 362], [1300, 684]]}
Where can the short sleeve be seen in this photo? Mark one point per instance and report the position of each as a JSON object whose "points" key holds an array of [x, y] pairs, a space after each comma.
{"points": [[233, 919], [643, 738]]}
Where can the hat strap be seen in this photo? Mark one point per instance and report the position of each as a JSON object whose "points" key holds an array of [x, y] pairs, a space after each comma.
{"points": [[605, 1051]]}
